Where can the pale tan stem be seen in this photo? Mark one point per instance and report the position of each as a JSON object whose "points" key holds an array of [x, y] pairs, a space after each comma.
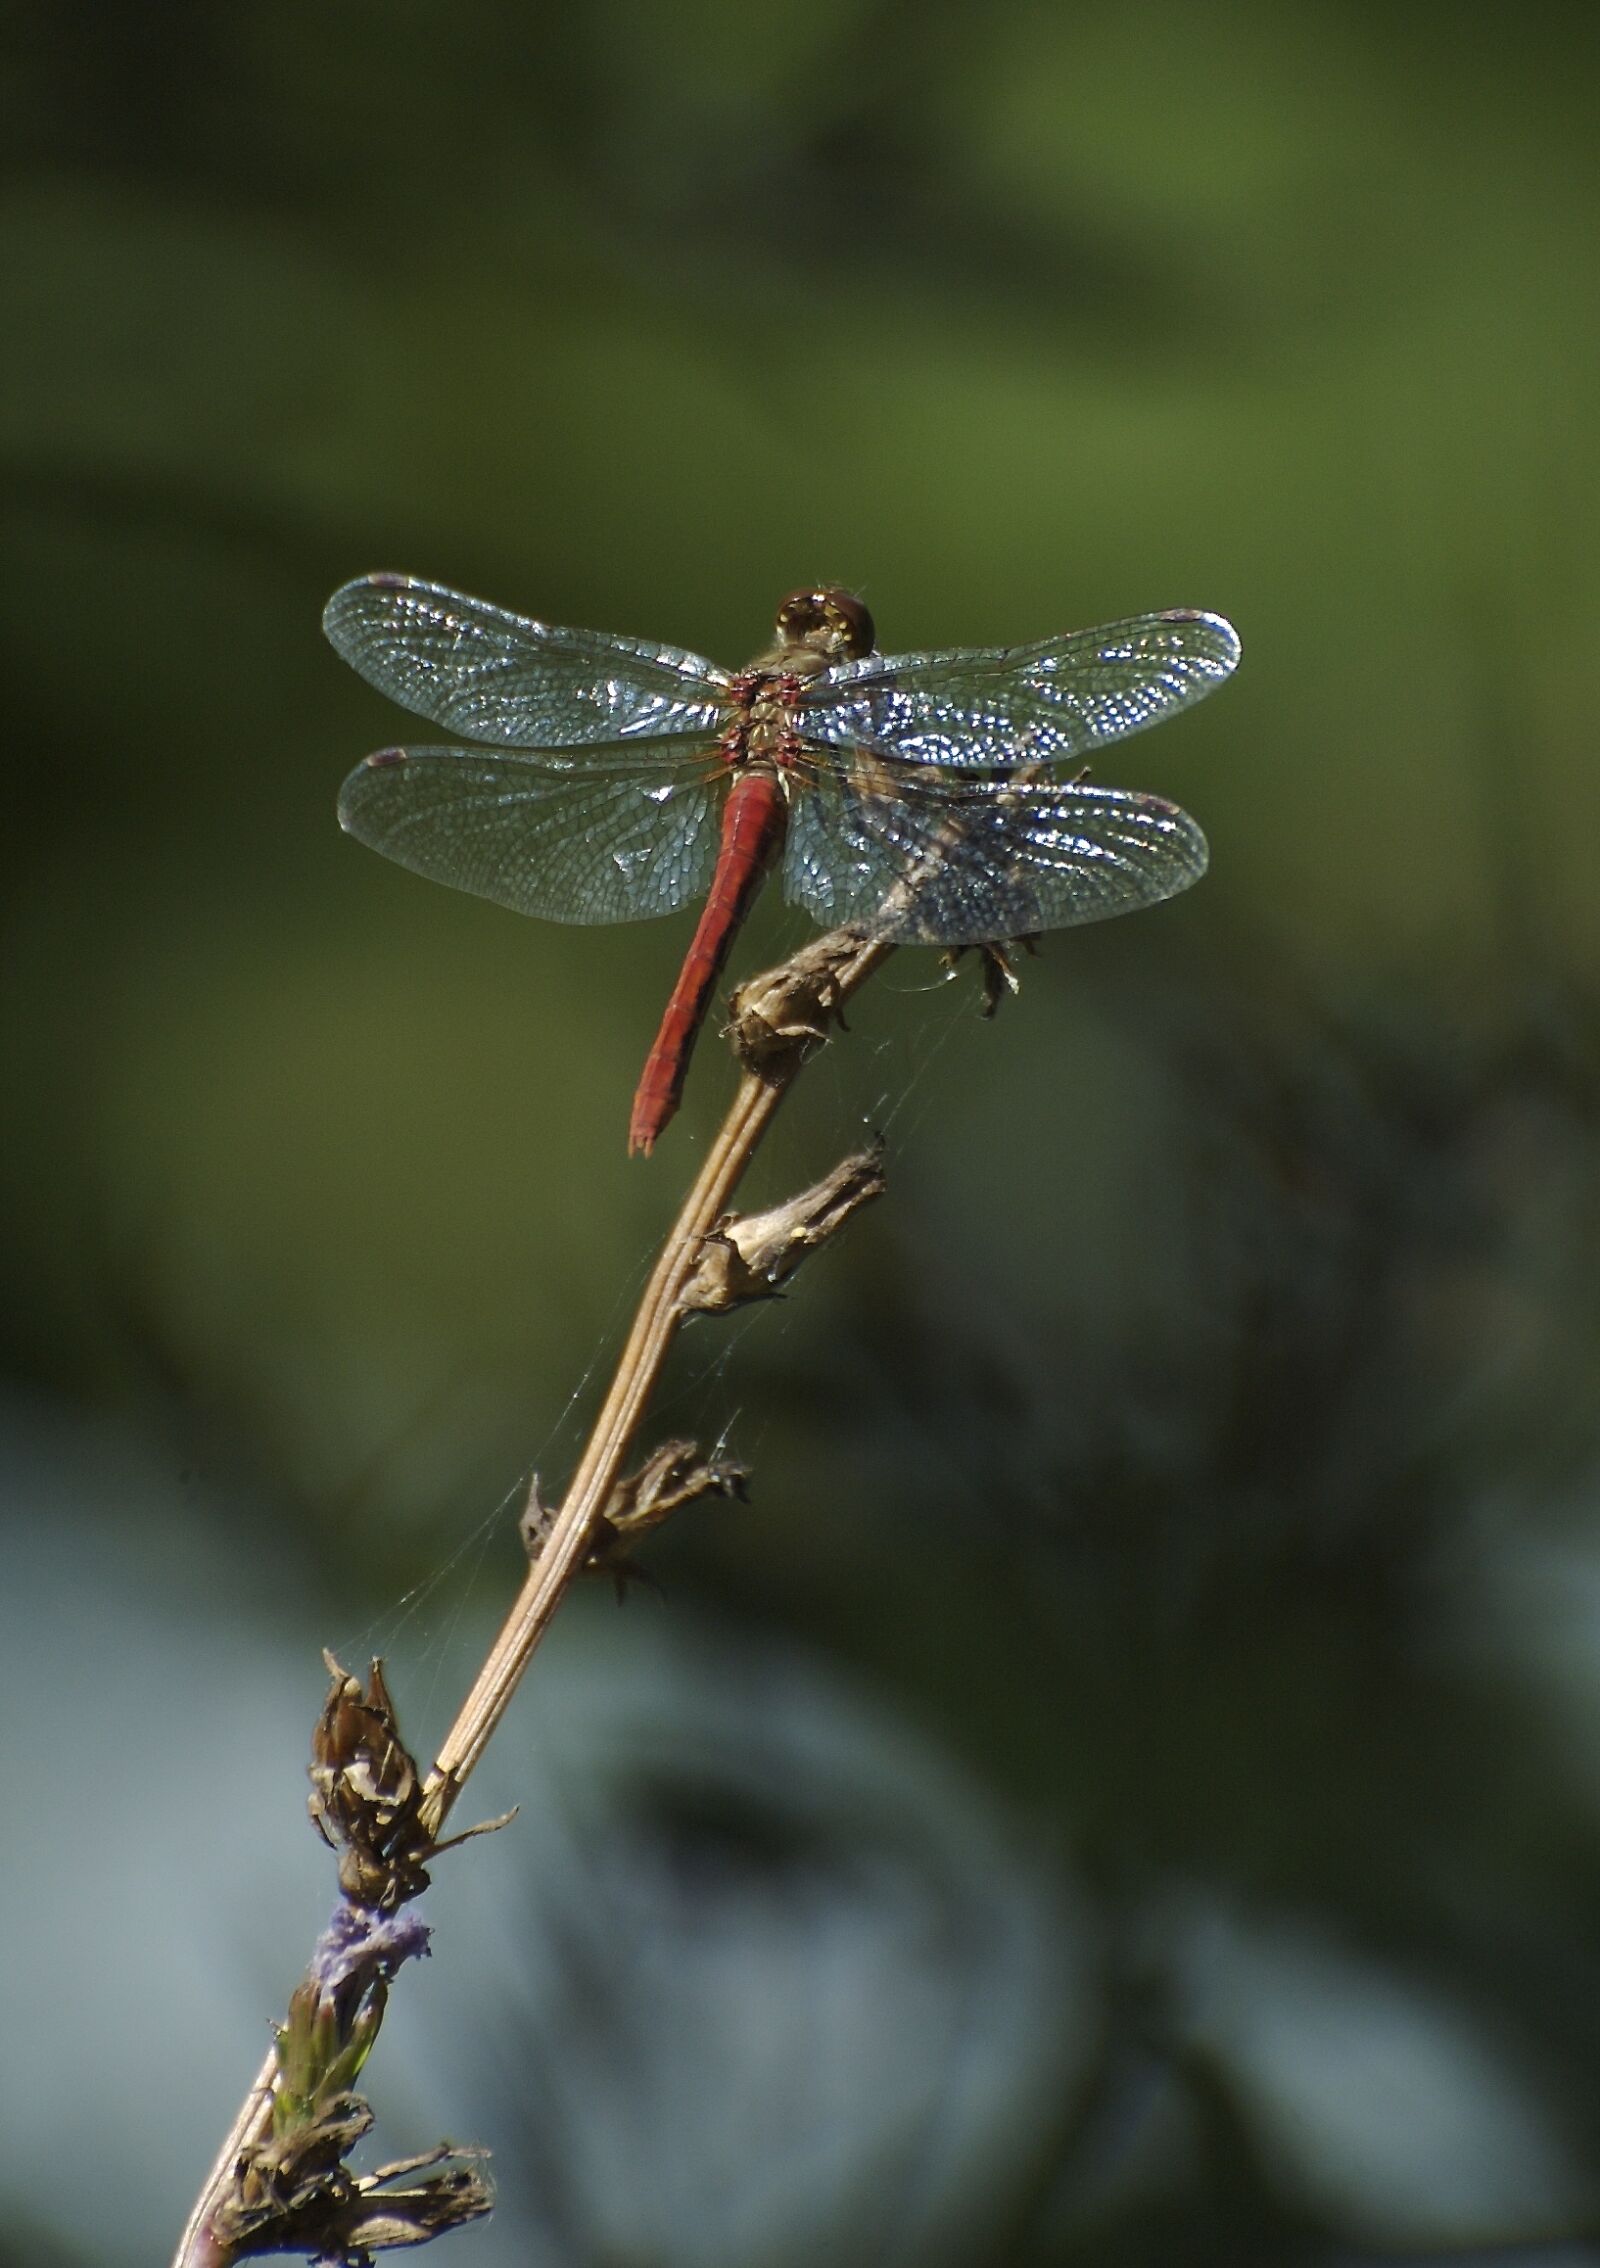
{"points": [[567, 1541], [198, 2247], [569, 1535]]}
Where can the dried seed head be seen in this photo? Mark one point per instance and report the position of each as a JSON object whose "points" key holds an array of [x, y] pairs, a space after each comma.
{"points": [[779, 1017], [748, 1256], [295, 2194], [672, 1476], [366, 1798], [997, 970]]}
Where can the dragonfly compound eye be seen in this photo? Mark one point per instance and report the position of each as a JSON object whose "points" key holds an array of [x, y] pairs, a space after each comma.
{"points": [[853, 622], [827, 618]]}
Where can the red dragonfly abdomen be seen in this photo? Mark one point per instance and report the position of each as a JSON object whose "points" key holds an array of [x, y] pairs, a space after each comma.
{"points": [[753, 822]]}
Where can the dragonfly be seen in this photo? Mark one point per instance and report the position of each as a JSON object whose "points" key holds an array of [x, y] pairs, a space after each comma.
{"points": [[926, 798]]}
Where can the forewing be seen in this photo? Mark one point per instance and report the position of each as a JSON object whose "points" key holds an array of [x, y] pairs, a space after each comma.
{"points": [[620, 834], [498, 677], [1042, 704], [919, 861]]}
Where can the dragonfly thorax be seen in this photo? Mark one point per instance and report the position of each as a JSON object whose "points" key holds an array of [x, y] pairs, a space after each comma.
{"points": [[764, 726]]}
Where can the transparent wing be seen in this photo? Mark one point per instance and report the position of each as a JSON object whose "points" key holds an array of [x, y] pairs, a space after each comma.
{"points": [[497, 677], [1043, 704], [924, 861], [620, 834]]}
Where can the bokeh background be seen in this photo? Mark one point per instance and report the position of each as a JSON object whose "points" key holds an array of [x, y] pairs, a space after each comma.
{"points": [[1128, 1787]]}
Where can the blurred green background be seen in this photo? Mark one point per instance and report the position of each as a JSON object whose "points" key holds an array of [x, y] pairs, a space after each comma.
{"points": [[1197, 1451]]}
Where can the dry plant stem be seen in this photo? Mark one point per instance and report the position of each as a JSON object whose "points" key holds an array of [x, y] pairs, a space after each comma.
{"points": [[567, 1541], [197, 2247]]}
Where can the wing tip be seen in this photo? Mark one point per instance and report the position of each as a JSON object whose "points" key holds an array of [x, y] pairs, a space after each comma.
{"points": [[348, 598], [1174, 820], [1201, 848], [1228, 648], [350, 795]]}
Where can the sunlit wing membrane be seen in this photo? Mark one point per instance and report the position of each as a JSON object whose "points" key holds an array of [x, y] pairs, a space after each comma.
{"points": [[621, 833], [1038, 704], [952, 862], [498, 677]]}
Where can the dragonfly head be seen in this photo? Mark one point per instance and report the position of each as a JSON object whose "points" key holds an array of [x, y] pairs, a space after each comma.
{"points": [[828, 623]]}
